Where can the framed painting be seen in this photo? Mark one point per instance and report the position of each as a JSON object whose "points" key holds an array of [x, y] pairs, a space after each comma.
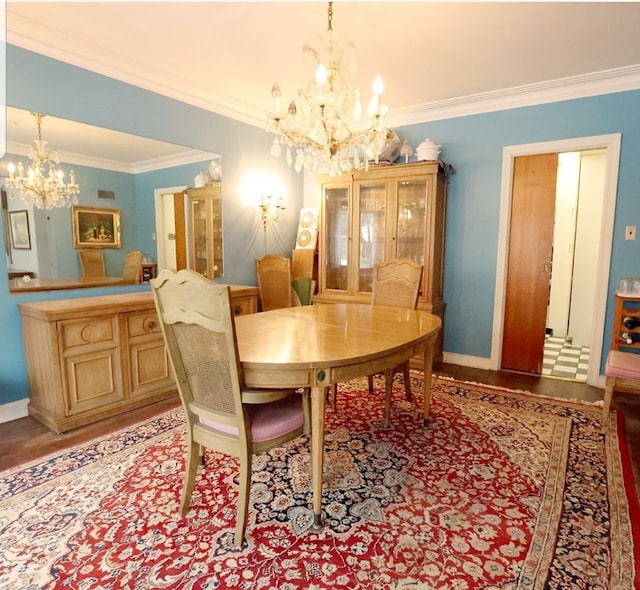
{"points": [[96, 228], [20, 235]]}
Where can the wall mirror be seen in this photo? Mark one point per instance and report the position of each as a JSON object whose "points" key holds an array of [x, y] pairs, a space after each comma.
{"points": [[115, 171]]}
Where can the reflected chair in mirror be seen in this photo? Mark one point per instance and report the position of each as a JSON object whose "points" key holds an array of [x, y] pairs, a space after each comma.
{"points": [[132, 270], [274, 282], [222, 414], [92, 263], [396, 283]]}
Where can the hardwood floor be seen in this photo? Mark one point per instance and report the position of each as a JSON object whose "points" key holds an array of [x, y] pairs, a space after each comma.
{"points": [[26, 439]]}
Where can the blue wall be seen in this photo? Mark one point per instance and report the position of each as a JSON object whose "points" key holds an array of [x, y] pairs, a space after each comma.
{"points": [[472, 144]]}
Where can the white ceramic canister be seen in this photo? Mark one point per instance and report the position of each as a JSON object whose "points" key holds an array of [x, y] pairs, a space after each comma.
{"points": [[428, 150]]}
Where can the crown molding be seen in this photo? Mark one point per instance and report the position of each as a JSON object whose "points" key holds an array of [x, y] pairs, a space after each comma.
{"points": [[29, 35], [594, 84], [72, 158]]}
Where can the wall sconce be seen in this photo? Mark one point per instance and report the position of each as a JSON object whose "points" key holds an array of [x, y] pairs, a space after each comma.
{"points": [[270, 209]]}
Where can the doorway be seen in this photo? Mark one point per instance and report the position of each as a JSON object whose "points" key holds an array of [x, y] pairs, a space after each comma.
{"points": [[610, 147], [170, 255]]}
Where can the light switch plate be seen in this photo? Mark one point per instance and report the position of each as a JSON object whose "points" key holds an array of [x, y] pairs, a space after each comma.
{"points": [[630, 232]]}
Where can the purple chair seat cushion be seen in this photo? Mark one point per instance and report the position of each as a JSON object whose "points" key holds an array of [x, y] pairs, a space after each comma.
{"points": [[269, 420]]}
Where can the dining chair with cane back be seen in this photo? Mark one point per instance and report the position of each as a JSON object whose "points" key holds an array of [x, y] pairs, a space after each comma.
{"points": [[92, 263], [132, 270], [221, 412], [396, 283], [274, 282]]}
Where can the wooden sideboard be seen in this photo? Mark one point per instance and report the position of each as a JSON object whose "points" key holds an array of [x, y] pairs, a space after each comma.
{"points": [[95, 357]]}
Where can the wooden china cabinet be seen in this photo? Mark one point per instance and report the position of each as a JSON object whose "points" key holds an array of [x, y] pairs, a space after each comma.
{"points": [[372, 216]]}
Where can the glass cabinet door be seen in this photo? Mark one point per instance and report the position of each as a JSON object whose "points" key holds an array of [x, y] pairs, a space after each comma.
{"points": [[204, 230], [336, 232], [411, 218], [372, 208], [201, 243]]}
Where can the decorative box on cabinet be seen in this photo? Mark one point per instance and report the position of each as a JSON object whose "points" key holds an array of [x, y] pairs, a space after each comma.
{"points": [[95, 357], [373, 216], [148, 271]]}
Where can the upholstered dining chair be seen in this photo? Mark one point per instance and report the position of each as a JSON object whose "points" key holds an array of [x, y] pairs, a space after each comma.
{"points": [[221, 412], [396, 283], [92, 263], [132, 270], [303, 287], [274, 281]]}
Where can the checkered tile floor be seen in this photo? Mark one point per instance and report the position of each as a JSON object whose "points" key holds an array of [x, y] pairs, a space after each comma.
{"points": [[565, 360]]}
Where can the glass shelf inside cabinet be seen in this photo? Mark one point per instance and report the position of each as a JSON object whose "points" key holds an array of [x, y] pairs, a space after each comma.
{"points": [[372, 207], [337, 232], [412, 220]]}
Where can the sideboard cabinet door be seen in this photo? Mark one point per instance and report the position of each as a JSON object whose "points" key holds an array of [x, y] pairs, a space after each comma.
{"points": [[147, 359], [91, 360]]}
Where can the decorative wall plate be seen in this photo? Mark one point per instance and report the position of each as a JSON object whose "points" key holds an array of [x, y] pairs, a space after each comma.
{"points": [[307, 229]]}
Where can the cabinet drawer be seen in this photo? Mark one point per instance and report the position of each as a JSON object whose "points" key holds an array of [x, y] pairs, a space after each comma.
{"points": [[76, 334], [243, 305], [140, 324]]}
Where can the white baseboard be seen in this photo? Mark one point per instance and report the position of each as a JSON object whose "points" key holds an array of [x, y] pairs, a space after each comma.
{"points": [[14, 410], [464, 360], [478, 362]]}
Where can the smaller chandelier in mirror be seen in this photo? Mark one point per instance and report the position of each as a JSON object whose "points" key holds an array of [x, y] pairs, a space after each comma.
{"points": [[326, 127], [42, 184]]}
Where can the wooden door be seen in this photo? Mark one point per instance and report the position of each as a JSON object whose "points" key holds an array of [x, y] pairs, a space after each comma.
{"points": [[180, 230], [529, 262]]}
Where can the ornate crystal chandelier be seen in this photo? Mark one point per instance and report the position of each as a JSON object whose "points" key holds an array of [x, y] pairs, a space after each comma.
{"points": [[43, 185], [325, 126]]}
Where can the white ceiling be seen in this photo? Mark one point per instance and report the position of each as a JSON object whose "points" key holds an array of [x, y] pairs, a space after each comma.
{"points": [[436, 58]]}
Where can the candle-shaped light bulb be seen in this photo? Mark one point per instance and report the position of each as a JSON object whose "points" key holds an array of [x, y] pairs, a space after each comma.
{"points": [[321, 79], [321, 74], [275, 93], [378, 86], [11, 169]]}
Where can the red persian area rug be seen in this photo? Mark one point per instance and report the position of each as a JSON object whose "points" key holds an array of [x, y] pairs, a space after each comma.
{"points": [[503, 490]]}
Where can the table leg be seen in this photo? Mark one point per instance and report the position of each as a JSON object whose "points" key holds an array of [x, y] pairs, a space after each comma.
{"points": [[428, 370], [317, 452]]}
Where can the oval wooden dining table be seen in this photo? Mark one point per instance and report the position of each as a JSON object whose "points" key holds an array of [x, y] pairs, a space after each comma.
{"points": [[316, 346]]}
